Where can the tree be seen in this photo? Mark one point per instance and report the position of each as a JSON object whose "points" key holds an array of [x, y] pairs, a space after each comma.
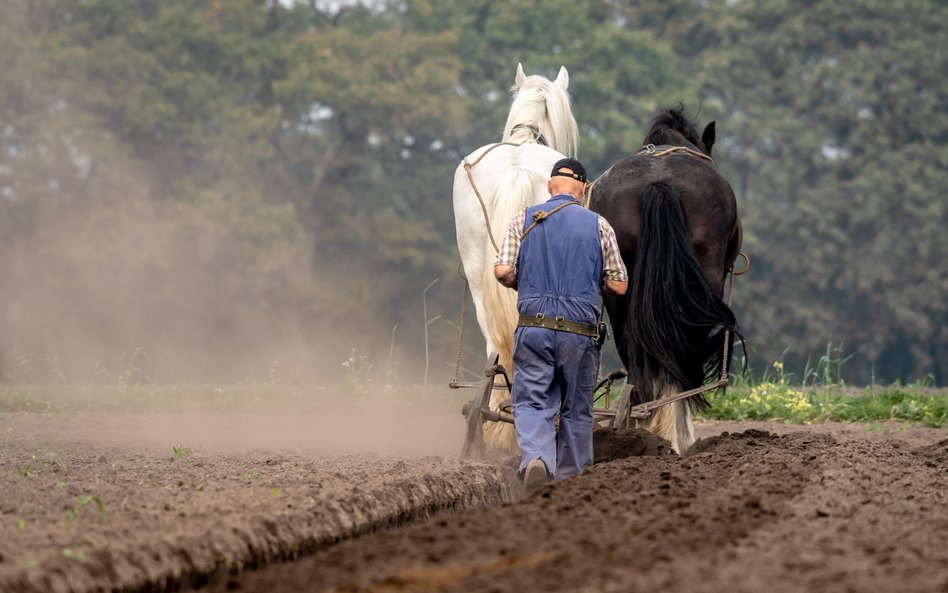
{"points": [[836, 126]]}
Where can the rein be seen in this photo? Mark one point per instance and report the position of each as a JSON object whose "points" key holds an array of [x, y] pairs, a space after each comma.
{"points": [[480, 199]]}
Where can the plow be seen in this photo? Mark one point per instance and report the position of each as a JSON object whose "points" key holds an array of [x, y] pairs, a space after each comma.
{"points": [[476, 412]]}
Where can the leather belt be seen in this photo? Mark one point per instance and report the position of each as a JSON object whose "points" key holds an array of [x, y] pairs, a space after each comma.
{"points": [[559, 323]]}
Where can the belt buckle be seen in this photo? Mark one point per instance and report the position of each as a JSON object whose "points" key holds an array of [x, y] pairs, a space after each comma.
{"points": [[560, 321], [538, 319]]}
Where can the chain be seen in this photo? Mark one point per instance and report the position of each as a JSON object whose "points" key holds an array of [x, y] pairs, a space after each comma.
{"points": [[457, 362]]}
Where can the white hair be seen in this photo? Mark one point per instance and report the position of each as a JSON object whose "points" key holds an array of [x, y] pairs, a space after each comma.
{"points": [[544, 106]]}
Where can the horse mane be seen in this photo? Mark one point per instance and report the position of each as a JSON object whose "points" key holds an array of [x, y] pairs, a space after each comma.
{"points": [[673, 127], [544, 106]]}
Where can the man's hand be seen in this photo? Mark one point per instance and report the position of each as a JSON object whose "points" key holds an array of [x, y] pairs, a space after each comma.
{"points": [[506, 275], [613, 287]]}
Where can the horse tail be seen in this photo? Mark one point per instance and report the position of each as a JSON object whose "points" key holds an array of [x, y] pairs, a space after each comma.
{"points": [[515, 190], [673, 309]]}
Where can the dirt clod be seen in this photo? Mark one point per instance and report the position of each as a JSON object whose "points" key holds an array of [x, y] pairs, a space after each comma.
{"points": [[610, 444]]}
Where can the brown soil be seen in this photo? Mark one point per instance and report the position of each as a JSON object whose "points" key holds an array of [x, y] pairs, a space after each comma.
{"points": [[827, 508], [610, 444], [750, 511], [79, 513]]}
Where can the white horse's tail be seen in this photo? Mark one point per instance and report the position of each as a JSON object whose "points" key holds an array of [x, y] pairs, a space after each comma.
{"points": [[514, 191]]}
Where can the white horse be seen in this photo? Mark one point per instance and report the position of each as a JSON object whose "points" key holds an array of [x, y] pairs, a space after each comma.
{"points": [[540, 130]]}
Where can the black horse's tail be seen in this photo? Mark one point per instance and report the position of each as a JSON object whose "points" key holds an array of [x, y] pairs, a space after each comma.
{"points": [[673, 310]]}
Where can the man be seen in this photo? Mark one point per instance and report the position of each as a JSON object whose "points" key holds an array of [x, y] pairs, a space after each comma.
{"points": [[558, 255]]}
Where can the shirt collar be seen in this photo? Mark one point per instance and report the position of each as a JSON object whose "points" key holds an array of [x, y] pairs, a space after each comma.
{"points": [[565, 195]]}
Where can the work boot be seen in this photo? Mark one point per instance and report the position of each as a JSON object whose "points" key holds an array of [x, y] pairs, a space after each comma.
{"points": [[535, 475]]}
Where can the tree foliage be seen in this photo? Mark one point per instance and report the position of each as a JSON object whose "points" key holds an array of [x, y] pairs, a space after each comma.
{"points": [[232, 183], [836, 124]]}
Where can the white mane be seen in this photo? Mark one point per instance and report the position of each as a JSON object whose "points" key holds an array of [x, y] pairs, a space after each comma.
{"points": [[545, 106]]}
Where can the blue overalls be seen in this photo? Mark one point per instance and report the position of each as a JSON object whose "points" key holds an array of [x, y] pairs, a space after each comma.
{"points": [[559, 272]]}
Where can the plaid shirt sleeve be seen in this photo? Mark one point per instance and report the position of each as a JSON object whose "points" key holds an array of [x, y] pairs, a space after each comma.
{"points": [[510, 246], [612, 266]]}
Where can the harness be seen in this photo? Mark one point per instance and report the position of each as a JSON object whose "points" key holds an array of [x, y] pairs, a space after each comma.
{"points": [[537, 136], [661, 151]]}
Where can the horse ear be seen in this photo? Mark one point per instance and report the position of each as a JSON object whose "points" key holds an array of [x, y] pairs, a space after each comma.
{"points": [[520, 76], [562, 79], [707, 137]]}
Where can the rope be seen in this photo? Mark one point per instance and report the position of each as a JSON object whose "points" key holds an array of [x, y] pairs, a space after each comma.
{"points": [[480, 199], [541, 215]]}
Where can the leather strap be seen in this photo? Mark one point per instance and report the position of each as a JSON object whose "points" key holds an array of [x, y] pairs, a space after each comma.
{"points": [[559, 324]]}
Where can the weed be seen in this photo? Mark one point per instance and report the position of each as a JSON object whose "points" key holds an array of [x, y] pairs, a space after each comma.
{"points": [[47, 459], [57, 460], [25, 472], [181, 451], [357, 376], [84, 500], [70, 553]]}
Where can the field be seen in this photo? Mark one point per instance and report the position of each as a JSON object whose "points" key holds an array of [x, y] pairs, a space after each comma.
{"points": [[170, 489]]}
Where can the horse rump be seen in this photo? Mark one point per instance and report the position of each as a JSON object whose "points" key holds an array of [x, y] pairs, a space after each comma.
{"points": [[676, 325]]}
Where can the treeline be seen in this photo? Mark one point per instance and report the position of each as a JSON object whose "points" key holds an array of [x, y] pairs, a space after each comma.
{"points": [[246, 189]]}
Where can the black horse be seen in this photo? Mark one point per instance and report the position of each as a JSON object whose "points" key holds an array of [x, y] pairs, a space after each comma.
{"points": [[679, 233]]}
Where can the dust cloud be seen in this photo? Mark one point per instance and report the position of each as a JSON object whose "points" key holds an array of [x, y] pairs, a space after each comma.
{"points": [[111, 295], [379, 429], [125, 269], [111, 288], [109, 274]]}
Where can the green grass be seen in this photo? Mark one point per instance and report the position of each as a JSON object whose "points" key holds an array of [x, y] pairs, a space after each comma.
{"points": [[775, 401], [778, 396], [180, 451], [84, 500]]}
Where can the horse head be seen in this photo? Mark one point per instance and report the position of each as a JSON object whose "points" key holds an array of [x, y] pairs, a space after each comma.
{"points": [[672, 127], [541, 110]]}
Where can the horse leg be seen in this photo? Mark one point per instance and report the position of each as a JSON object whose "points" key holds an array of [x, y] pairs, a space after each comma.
{"points": [[674, 422]]}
